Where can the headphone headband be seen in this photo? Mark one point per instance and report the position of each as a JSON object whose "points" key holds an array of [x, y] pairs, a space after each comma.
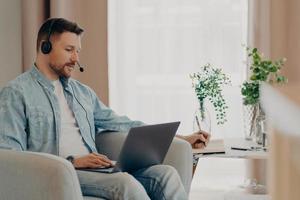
{"points": [[50, 30]]}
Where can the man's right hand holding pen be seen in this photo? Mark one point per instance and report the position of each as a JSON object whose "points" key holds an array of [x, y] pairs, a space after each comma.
{"points": [[203, 137], [198, 140]]}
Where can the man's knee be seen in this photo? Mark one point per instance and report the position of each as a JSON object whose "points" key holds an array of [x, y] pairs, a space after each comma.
{"points": [[163, 182], [169, 169], [130, 188], [127, 180], [164, 170]]}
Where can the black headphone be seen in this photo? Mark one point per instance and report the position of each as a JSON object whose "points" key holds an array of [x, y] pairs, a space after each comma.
{"points": [[46, 46]]}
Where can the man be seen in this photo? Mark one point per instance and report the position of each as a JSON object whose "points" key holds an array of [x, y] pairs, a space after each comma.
{"points": [[44, 110]]}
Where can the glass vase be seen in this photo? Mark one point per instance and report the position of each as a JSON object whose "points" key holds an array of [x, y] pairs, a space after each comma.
{"points": [[202, 120], [249, 119], [254, 123], [260, 126]]}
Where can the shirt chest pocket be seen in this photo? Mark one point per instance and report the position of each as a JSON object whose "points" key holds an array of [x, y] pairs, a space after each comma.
{"points": [[41, 123]]}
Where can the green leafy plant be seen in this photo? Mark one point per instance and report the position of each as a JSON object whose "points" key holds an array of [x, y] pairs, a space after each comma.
{"points": [[262, 70], [208, 83]]}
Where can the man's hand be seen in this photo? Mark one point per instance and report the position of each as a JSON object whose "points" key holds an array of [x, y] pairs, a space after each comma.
{"points": [[198, 140], [92, 160]]}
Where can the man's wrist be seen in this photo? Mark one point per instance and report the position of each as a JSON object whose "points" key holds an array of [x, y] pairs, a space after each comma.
{"points": [[71, 159]]}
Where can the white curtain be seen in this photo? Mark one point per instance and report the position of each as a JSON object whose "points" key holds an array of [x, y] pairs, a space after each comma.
{"points": [[155, 45], [260, 26]]}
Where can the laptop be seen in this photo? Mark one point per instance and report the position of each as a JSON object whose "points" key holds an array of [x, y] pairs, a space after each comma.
{"points": [[144, 146]]}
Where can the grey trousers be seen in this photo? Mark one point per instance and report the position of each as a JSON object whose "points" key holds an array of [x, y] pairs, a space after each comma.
{"points": [[160, 182]]}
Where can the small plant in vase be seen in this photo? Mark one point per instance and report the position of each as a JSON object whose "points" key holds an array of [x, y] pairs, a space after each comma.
{"points": [[261, 70], [208, 84]]}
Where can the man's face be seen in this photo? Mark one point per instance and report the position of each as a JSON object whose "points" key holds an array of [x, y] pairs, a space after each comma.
{"points": [[64, 53]]}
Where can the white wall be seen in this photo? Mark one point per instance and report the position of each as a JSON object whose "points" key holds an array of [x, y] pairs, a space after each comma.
{"points": [[10, 40]]}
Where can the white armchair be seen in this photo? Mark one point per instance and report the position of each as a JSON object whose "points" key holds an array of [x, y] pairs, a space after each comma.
{"points": [[36, 176]]}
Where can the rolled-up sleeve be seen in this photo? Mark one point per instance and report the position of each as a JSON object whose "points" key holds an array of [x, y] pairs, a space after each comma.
{"points": [[12, 120]]}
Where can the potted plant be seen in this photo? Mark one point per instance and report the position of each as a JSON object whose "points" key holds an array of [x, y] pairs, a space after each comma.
{"points": [[208, 84], [261, 70]]}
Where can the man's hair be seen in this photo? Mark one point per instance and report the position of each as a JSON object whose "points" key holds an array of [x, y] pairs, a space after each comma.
{"points": [[57, 26]]}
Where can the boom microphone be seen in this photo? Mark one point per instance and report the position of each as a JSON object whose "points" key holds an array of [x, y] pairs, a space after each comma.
{"points": [[81, 69]]}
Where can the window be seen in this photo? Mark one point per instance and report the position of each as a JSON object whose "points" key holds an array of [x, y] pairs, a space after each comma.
{"points": [[153, 47]]}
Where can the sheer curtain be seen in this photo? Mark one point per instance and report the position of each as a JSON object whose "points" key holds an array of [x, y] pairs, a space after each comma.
{"points": [[155, 45]]}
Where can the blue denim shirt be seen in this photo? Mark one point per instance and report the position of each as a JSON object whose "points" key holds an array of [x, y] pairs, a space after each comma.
{"points": [[30, 114]]}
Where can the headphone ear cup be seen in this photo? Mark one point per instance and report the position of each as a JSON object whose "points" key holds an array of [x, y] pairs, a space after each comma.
{"points": [[46, 47]]}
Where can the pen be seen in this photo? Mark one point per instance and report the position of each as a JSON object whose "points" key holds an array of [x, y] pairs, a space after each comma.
{"points": [[199, 127], [240, 149], [198, 124]]}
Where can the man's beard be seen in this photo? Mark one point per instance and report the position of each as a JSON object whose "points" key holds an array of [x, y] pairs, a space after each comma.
{"points": [[60, 70]]}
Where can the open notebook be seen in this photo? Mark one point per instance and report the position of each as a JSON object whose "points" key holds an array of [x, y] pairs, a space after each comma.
{"points": [[214, 146]]}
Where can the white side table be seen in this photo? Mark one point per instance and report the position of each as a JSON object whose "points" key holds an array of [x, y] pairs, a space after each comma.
{"points": [[222, 176]]}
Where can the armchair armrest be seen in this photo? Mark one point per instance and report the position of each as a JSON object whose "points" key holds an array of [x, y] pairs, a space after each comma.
{"points": [[35, 176], [179, 155]]}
